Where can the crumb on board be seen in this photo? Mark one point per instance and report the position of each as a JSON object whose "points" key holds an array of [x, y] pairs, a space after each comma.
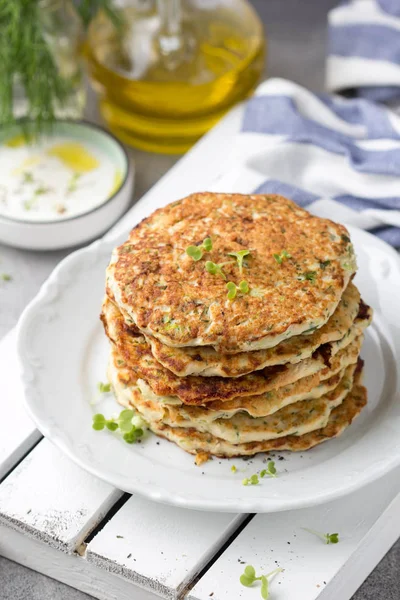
{"points": [[201, 457]]}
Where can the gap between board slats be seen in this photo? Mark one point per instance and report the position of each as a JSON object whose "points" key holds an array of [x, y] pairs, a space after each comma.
{"points": [[368, 523]]}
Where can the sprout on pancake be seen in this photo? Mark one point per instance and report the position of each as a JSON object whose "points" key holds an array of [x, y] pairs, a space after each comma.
{"points": [[196, 252], [215, 269], [281, 256], [232, 288], [249, 577], [239, 257]]}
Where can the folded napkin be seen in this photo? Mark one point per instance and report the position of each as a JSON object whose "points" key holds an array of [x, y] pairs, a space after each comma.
{"points": [[340, 158], [364, 49]]}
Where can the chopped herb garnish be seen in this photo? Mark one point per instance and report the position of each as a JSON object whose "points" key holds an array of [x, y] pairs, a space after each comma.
{"points": [[73, 182], [41, 190], [239, 257], [233, 469], [345, 238], [104, 387], [214, 269], [27, 177], [308, 276], [324, 263], [5, 277], [232, 288], [196, 252], [249, 577], [282, 256], [270, 470], [328, 538]]}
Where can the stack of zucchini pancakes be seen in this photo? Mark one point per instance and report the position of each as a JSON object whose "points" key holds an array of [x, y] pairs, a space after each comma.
{"points": [[235, 326]]}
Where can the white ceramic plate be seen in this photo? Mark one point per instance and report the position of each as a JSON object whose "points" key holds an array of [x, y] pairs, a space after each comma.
{"points": [[63, 353]]}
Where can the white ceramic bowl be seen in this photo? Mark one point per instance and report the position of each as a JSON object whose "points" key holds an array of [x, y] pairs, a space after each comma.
{"points": [[75, 230]]}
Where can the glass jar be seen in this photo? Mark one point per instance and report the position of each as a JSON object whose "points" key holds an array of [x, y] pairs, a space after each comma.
{"points": [[174, 68]]}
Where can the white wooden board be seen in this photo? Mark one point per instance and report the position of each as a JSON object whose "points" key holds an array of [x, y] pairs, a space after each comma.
{"points": [[17, 432], [71, 569], [160, 548], [47, 496], [368, 523]]}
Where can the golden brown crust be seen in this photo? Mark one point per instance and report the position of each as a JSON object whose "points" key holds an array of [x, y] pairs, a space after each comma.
{"points": [[206, 361], [135, 350], [172, 297], [341, 417]]}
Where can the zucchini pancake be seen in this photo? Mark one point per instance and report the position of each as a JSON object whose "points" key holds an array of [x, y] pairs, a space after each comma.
{"points": [[235, 327]]}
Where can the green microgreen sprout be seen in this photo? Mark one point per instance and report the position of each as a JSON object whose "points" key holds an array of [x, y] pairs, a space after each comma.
{"points": [[328, 538], [104, 388], [131, 433], [281, 256], [249, 577], [196, 252], [5, 277], [244, 287], [239, 257], [215, 269], [308, 276], [233, 469], [232, 288], [253, 480], [270, 470]]}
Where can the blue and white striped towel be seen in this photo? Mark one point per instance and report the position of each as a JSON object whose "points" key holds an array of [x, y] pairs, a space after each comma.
{"points": [[364, 49], [339, 158]]}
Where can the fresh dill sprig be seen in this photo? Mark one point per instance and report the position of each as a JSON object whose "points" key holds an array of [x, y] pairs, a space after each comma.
{"points": [[26, 58], [28, 65], [88, 9]]}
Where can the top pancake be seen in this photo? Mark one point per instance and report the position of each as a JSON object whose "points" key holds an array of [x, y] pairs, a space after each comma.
{"points": [[172, 297]]}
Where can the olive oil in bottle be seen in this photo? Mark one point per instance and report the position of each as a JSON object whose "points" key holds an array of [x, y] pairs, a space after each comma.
{"points": [[174, 68]]}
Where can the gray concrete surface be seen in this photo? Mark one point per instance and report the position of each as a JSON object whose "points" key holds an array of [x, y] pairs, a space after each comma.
{"points": [[296, 33]]}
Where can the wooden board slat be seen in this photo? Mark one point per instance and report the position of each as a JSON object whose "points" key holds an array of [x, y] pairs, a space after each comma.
{"points": [[71, 569], [160, 548], [17, 432], [367, 521], [48, 497]]}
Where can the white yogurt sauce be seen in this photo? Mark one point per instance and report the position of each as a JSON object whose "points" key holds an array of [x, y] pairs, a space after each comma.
{"points": [[56, 179]]}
